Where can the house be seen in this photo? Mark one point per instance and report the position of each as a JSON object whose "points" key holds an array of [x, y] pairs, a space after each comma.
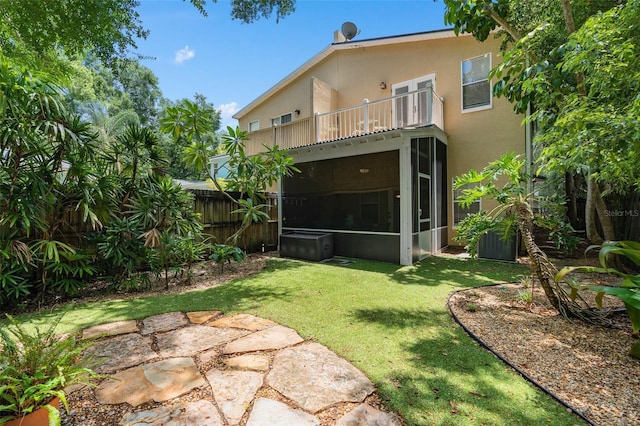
{"points": [[379, 128], [218, 166]]}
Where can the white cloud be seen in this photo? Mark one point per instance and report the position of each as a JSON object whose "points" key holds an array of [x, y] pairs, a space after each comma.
{"points": [[184, 55], [226, 113]]}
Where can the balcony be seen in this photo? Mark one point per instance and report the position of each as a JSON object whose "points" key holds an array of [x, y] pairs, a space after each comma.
{"points": [[409, 110]]}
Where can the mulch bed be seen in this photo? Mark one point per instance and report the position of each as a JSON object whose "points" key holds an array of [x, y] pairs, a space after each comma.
{"points": [[586, 366]]}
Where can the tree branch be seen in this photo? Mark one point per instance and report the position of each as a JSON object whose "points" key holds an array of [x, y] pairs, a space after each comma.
{"points": [[515, 34]]}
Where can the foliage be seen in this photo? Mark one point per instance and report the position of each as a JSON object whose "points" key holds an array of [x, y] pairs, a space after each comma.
{"points": [[121, 249], [46, 173], [551, 215], [36, 366], [54, 166], [223, 253], [126, 88], [503, 180], [249, 11], [525, 296], [249, 176], [486, 185], [165, 211], [598, 131], [628, 290], [192, 126], [36, 33]]}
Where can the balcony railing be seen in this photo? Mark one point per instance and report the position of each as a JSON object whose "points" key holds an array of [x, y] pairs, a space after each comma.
{"points": [[408, 110], [288, 135], [413, 109]]}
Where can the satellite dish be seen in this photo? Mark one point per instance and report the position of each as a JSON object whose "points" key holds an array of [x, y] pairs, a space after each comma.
{"points": [[349, 30]]}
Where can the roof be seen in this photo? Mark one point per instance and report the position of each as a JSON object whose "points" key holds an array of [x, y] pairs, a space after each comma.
{"points": [[333, 47]]}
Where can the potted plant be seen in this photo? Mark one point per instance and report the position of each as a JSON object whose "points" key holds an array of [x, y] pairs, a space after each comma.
{"points": [[36, 366]]}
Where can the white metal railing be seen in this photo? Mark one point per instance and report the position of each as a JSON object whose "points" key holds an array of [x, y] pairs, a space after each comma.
{"points": [[413, 109], [289, 135]]}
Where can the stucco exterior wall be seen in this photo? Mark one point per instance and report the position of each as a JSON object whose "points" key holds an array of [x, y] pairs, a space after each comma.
{"points": [[355, 71]]}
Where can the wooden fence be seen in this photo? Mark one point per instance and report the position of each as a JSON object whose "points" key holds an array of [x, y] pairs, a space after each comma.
{"points": [[215, 214], [220, 223]]}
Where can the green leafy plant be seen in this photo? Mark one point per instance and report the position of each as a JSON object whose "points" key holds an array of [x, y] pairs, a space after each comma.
{"points": [[249, 176], [504, 181], [525, 296], [35, 367], [471, 307], [223, 253], [526, 281], [627, 290]]}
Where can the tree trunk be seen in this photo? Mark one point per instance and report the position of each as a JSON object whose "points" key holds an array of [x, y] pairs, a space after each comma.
{"points": [[603, 215], [590, 218], [540, 265], [571, 199]]}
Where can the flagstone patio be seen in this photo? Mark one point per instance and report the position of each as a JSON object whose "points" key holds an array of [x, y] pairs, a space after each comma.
{"points": [[202, 368]]}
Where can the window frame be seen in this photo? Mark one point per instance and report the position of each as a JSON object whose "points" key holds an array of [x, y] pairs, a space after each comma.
{"points": [[463, 84], [457, 206], [277, 121], [257, 123]]}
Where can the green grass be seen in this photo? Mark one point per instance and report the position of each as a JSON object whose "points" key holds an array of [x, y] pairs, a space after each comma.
{"points": [[389, 321]]}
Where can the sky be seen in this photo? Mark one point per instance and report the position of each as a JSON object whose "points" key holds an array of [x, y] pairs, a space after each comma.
{"points": [[232, 63]]}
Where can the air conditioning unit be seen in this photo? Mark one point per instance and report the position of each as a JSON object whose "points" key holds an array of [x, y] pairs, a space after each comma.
{"points": [[492, 246]]}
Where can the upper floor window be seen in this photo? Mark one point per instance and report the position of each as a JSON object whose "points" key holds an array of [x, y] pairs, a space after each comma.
{"points": [[286, 118], [476, 87], [254, 126]]}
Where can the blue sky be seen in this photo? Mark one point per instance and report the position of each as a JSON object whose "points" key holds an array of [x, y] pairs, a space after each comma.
{"points": [[232, 63]]}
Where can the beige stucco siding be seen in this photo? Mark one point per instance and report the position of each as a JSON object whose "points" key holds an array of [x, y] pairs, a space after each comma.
{"points": [[352, 72]]}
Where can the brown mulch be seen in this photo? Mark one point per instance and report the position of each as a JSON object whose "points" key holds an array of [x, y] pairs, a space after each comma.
{"points": [[586, 366]]}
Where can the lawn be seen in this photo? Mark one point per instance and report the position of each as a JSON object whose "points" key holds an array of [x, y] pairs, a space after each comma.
{"points": [[389, 321]]}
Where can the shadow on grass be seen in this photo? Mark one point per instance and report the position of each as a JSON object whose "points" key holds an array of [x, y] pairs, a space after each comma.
{"points": [[237, 295], [436, 270], [451, 380]]}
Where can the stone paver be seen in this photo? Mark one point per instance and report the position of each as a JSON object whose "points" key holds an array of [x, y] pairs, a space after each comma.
{"points": [[314, 377], [189, 341], [244, 321], [248, 362], [121, 352], [159, 381], [267, 412], [366, 415], [163, 322], [209, 356], [194, 413], [276, 337], [245, 355], [201, 317], [110, 329], [234, 391]]}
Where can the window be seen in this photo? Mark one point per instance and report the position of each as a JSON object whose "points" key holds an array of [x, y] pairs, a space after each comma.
{"points": [[459, 212], [283, 119], [254, 126], [476, 87]]}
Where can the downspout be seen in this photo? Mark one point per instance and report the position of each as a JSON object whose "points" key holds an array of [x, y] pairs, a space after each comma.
{"points": [[528, 150], [279, 201]]}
